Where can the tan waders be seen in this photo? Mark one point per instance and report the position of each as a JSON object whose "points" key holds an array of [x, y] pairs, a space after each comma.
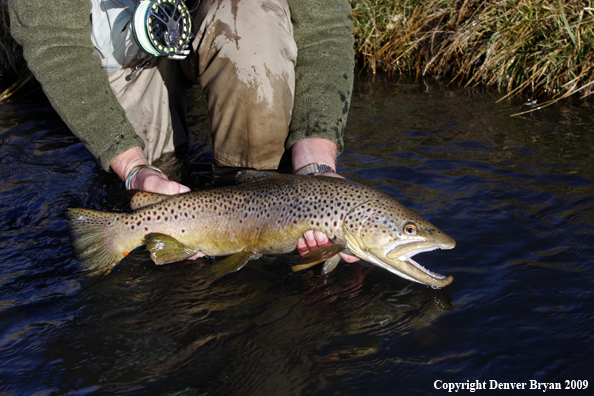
{"points": [[243, 58]]}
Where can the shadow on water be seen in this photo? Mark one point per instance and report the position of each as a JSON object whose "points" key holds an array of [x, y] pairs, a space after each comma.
{"points": [[515, 193]]}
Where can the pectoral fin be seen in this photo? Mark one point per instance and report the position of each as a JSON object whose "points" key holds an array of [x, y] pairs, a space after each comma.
{"points": [[318, 255], [233, 263], [330, 264], [165, 249]]}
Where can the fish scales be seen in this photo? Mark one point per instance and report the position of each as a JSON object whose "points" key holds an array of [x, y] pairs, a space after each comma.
{"points": [[266, 214], [242, 217]]}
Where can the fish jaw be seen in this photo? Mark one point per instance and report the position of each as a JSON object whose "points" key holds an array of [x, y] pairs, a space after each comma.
{"points": [[387, 234], [411, 247], [399, 259], [402, 255]]}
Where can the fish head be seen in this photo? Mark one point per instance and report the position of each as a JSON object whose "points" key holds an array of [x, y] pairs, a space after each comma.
{"points": [[388, 235]]}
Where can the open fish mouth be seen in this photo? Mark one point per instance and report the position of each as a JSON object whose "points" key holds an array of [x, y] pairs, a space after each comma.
{"points": [[407, 258], [403, 265]]}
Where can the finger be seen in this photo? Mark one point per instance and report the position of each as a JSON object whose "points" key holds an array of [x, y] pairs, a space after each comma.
{"points": [[196, 256], [302, 247], [321, 239], [348, 258], [175, 188], [310, 240], [157, 183]]}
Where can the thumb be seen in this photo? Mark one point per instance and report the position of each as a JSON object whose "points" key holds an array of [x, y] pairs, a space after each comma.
{"points": [[157, 183], [169, 187]]}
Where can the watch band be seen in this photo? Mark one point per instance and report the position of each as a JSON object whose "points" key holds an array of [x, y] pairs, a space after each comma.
{"points": [[314, 168]]}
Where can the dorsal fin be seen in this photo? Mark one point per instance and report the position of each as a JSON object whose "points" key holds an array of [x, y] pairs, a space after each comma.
{"points": [[251, 176], [143, 198]]}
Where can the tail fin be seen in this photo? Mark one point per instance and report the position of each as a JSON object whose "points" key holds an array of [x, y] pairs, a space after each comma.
{"points": [[90, 239]]}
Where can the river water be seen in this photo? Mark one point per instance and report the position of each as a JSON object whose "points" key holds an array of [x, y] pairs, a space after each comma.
{"points": [[515, 192]]}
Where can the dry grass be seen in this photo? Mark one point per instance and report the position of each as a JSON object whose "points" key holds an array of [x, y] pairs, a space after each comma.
{"points": [[540, 47], [543, 48]]}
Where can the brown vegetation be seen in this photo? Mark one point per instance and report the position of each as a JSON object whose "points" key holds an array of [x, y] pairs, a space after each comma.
{"points": [[543, 48], [540, 47]]}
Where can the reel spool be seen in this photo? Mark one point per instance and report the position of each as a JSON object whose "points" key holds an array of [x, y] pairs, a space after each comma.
{"points": [[162, 27]]}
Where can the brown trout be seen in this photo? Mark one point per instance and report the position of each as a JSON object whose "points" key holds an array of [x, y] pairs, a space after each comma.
{"points": [[266, 213]]}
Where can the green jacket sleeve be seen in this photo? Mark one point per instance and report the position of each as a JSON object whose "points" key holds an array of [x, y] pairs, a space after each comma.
{"points": [[324, 70], [56, 40]]}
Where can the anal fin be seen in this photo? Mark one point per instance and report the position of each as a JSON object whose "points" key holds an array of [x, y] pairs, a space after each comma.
{"points": [[233, 263]]}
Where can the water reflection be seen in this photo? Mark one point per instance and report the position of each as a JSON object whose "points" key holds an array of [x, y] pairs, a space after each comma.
{"points": [[516, 193], [266, 332]]}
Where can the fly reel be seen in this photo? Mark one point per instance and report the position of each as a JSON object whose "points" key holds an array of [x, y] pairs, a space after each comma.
{"points": [[162, 27]]}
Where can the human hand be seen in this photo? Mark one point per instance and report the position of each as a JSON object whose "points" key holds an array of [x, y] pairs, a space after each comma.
{"points": [[313, 240], [151, 180], [145, 179], [316, 239], [321, 151]]}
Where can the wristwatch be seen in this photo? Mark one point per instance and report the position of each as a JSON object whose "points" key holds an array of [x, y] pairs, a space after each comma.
{"points": [[314, 168]]}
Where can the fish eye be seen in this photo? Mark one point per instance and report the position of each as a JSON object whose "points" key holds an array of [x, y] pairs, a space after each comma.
{"points": [[410, 229]]}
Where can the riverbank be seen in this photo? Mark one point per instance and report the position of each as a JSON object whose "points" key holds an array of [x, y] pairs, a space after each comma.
{"points": [[542, 49]]}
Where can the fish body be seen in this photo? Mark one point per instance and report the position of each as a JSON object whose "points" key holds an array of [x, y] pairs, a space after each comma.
{"points": [[266, 214]]}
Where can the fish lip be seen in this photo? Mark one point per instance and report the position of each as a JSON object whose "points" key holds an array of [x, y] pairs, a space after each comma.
{"points": [[418, 274], [405, 254], [411, 248], [388, 258], [407, 258]]}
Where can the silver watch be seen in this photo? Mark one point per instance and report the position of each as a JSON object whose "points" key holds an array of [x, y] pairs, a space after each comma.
{"points": [[314, 168]]}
